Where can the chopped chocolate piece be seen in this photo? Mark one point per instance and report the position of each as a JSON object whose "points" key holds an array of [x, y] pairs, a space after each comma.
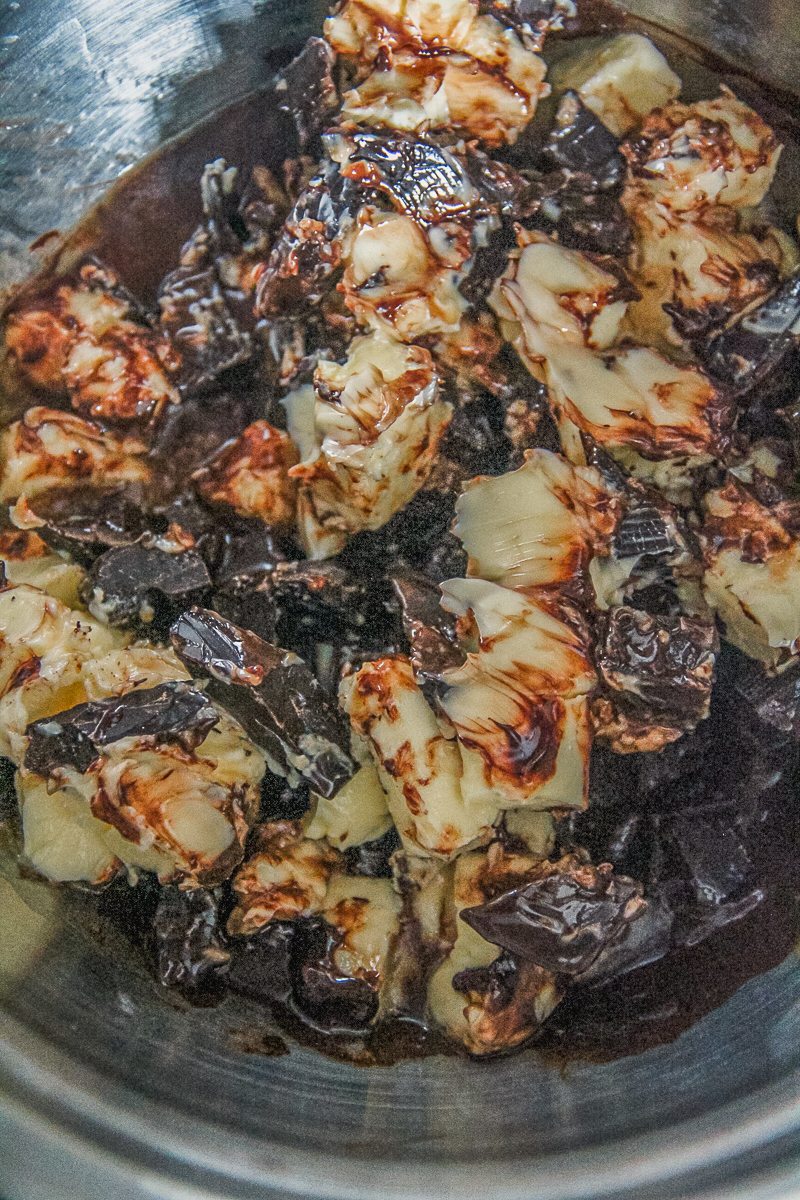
{"points": [[290, 963], [424, 180], [280, 802], [766, 338], [418, 536], [220, 197], [192, 432], [205, 332], [372, 858], [273, 694], [647, 938], [171, 711], [496, 982], [475, 440], [430, 630], [501, 185], [584, 219], [142, 585], [775, 698], [261, 965], [582, 144], [306, 91], [646, 529], [719, 863], [263, 206], [529, 17], [324, 600], [563, 921], [54, 744], [86, 521], [488, 264], [190, 951], [323, 996], [666, 662], [307, 252]]}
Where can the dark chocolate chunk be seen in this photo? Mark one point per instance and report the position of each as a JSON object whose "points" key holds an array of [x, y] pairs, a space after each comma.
{"points": [[582, 144], [430, 630], [261, 965], [646, 529], [55, 743], [587, 220], [169, 711], [561, 922], [765, 339], [220, 197], [273, 694], [514, 196], [644, 940], [307, 253], [475, 439], [326, 602], [322, 995], [423, 179], [190, 951], [290, 963], [306, 90], [419, 536], [720, 866], [144, 586], [488, 264], [194, 431], [86, 521], [203, 308], [774, 698], [666, 662], [496, 983], [196, 315], [373, 858], [280, 802], [530, 18]]}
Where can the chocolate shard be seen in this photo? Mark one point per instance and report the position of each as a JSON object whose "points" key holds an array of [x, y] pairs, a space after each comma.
{"points": [[582, 144], [424, 180], [194, 431], [646, 529], [86, 521], [323, 996], [562, 921], [207, 334], [583, 218], [274, 695], [261, 965], [530, 18], [306, 91], [765, 339], [644, 940], [170, 711], [665, 661], [514, 196], [774, 698], [722, 878], [430, 630], [188, 944], [373, 859], [326, 601], [141, 585], [302, 265], [281, 802]]}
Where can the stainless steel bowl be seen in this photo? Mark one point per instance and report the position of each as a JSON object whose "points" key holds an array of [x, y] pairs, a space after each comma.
{"points": [[108, 1091]]}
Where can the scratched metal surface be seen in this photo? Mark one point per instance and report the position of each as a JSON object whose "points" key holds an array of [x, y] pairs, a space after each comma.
{"points": [[108, 1092]]}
